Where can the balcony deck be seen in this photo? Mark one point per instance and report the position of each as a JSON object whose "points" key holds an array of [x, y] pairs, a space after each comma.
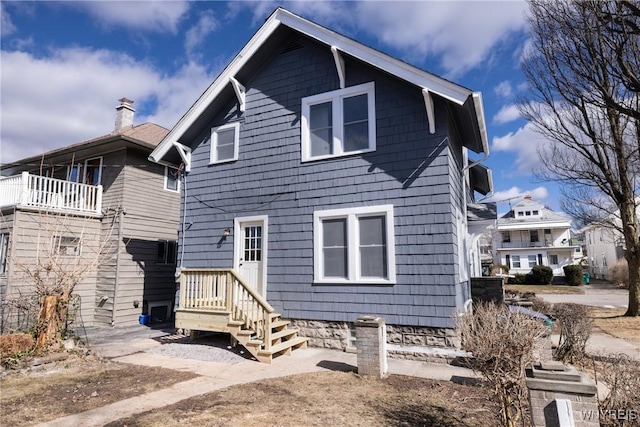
{"points": [[50, 194]]}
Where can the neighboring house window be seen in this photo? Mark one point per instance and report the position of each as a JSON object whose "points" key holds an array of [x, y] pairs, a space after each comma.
{"points": [[224, 143], [74, 173], [533, 236], [553, 259], [515, 260], [93, 171], [4, 252], [604, 260], [354, 245], [547, 231], [532, 260], [339, 123], [167, 252], [506, 237], [171, 181], [527, 213], [535, 212], [67, 246], [520, 213]]}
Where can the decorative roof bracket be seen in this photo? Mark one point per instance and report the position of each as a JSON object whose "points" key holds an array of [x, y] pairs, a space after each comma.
{"points": [[240, 92], [185, 154], [431, 115], [339, 65]]}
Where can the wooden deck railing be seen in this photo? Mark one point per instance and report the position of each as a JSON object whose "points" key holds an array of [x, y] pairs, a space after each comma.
{"points": [[41, 192], [223, 290]]}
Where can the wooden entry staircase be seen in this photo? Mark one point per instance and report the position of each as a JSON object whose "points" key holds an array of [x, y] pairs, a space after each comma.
{"points": [[218, 300]]}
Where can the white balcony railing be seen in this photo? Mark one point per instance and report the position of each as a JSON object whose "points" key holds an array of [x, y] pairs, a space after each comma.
{"points": [[41, 192]]}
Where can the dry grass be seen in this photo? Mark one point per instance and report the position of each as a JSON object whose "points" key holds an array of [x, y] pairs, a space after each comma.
{"points": [[545, 289], [330, 399], [74, 386], [612, 321]]}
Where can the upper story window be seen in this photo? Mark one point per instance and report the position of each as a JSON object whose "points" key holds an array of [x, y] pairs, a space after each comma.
{"points": [[533, 236], [354, 245], [339, 123], [506, 237], [224, 143], [171, 179]]}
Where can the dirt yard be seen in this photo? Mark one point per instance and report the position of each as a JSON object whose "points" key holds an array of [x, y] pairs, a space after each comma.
{"points": [[318, 399], [612, 321], [75, 385]]}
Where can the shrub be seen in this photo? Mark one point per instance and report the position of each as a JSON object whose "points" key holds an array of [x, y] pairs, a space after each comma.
{"points": [[573, 274], [620, 374], [540, 275], [13, 347], [517, 279], [575, 330], [501, 342], [620, 273], [499, 269]]}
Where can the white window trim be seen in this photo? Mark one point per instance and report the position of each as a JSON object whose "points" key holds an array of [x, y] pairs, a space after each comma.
{"points": [[353, 273], [214, 142], [337, 114], [166, 180]]}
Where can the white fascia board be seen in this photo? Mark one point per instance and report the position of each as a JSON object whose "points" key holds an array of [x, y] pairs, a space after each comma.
{"points": [[534, 225], [477, 103], [448, 90], [216, 87]]}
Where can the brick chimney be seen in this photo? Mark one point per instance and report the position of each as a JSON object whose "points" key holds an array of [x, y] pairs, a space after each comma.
{"points": [[124, 115], [527, 197]]}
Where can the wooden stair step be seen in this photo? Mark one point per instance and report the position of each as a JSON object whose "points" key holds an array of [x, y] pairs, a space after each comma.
{"points": [[279, 324], [254, 343], [285, 345], [246, 332], [284, 333], [274, 315]]}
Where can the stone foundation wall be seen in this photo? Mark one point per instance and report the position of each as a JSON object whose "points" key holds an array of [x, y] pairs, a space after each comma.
{"points": [[408, 342]]}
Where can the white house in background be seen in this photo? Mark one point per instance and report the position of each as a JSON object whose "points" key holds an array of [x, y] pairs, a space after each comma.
{"points": [[531, 234], [481, 219], [604, 247]]}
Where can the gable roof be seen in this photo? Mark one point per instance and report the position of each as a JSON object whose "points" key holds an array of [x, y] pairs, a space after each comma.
{"points": [[146, 136], [466, 104]]}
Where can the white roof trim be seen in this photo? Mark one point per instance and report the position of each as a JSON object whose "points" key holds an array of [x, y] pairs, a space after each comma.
{"points": [[441, 87], [431, 115]]}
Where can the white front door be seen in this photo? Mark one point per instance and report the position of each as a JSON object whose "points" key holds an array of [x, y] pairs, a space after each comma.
{"points": [[251, 251]]}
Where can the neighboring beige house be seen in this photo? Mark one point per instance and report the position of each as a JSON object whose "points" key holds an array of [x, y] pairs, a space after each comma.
{"points": [[604, 247], [103, 189], [531, 234]]}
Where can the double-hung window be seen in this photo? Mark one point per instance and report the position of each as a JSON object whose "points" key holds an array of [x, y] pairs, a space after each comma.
{"points": [[354, 245], [167, 252], [224, 143], [171, 179], [339, 123]]}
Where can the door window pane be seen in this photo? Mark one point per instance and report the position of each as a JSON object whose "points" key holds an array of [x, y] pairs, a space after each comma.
{"points": [[334, 249], [253, 243]]}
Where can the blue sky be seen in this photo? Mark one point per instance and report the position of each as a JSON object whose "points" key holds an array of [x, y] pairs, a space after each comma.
{"points": [[64, 65]]}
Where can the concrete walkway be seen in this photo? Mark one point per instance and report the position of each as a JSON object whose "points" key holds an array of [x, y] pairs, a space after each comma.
{"points": [[216, 375]]}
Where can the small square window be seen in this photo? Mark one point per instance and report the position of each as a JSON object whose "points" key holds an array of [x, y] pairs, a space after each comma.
{"points": [[171, 179], [224, 143], [167, 252], [553, 259], [67, 246]]}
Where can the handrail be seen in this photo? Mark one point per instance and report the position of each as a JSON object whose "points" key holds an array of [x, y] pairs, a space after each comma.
{"points": [[219, 289]]}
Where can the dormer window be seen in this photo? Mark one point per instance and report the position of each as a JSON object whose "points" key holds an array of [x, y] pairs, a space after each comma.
{"points": [[535, 213]]}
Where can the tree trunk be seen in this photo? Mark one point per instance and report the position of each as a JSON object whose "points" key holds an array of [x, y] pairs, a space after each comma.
{"points": [[634, 285], [52, 315]]}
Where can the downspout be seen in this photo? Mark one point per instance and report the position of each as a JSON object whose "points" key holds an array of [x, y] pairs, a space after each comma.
{"points": [[121, 213]]}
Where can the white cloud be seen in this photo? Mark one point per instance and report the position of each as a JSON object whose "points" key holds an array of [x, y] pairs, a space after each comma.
{"points": [[155, 16], [6, 25], [525, 143], [196, 34], [504, 89], [463, 34], [71, 96], [514, 194], [507, 114]]}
